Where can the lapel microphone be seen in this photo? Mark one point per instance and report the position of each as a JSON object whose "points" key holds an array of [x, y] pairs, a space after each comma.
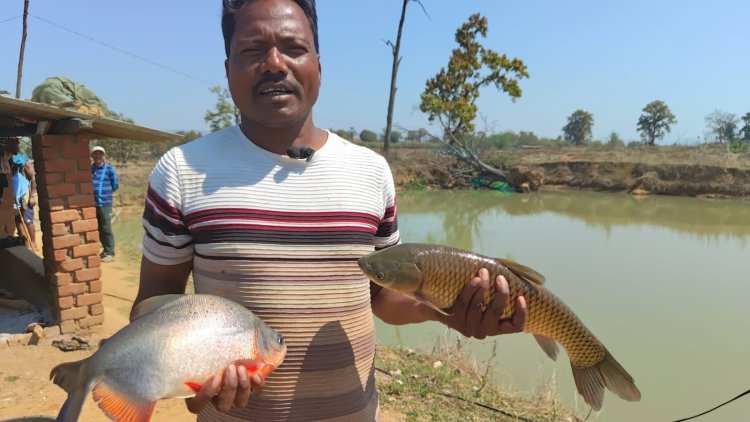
{"points": [[300, 153]]}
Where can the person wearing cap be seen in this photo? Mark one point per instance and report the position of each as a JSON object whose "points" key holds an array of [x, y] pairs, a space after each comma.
{"points": [[104, 178]]}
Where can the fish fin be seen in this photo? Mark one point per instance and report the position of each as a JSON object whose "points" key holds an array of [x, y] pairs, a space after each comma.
{"points": [[120, 407], [523, 271], [548, 344], [151, 304], [71, 409], [418, 296], [607, 373], [69, 376]]}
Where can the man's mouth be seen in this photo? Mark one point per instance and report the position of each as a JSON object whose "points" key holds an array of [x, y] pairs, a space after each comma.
{"points": [[276, 91]]}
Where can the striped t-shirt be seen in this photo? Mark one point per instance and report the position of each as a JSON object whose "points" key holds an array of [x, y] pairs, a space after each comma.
{"points": [[105, 182], [282, 236]]}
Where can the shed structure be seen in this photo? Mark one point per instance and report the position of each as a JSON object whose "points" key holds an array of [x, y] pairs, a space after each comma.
{"points": [[67, 280]]}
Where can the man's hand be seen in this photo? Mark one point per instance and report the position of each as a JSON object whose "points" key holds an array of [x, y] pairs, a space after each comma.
{"points": [[32, 202], [470, 317], [231, 388]]}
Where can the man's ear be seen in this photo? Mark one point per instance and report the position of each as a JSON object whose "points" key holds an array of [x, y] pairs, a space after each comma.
{"points": [[320, 70], [226, 68]]}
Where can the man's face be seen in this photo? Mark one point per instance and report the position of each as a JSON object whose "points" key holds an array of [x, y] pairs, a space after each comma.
{"points": [[98, 157], [273, 67], [13, 146]]}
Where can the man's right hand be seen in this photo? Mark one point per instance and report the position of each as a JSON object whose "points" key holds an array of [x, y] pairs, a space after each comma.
{"points": [[230, 388]]}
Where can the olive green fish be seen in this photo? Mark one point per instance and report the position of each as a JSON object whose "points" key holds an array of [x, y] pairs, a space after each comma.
{"points": [[435, 276], [172, 346]]}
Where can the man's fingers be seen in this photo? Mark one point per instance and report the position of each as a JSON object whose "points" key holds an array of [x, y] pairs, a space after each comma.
{"points": [[475, 308], [244, 388], [205, 395], [492, 315], [228, 390], [517, 322]]}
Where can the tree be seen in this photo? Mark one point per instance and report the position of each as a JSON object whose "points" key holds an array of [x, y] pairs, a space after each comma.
{"points": [[157, 149], [745, 131], [722, 126], [578, 129], [226, 113], [395, 49], [655, 122], [450, 96], [368, 136]]}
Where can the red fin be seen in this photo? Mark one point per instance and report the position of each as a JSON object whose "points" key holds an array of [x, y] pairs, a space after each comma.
{"points": [[255, 367], [194, 386], [119, 407]]}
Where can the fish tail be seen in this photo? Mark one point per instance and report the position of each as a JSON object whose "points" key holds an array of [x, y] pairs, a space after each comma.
{"points": [[607, 373], [69, 376]]}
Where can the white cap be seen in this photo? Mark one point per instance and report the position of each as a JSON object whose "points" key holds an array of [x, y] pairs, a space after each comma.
{"points": [[97, 148]]}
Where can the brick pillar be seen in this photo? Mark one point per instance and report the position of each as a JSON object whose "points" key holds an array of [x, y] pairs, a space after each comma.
{"points": [[69, 230]]}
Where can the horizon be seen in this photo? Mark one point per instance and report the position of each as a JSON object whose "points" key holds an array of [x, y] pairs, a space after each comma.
{"points": [[156, 62]]}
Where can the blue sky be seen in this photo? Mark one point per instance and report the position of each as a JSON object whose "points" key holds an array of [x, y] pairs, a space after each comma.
{"points": [[608, 58]]}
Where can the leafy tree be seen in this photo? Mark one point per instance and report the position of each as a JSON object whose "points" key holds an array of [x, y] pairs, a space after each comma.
{"points": [[157, 149], [419, 135], [722, 126], [615, 141], [225, 114], [368, 136], [450, 96], [578, 129], [655, 122], [745, 131], [123, 151], [344, 133]]}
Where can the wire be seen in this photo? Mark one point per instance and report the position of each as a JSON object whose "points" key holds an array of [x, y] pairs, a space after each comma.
{"points": [[10, 19], [120, 50], [714, 408]]}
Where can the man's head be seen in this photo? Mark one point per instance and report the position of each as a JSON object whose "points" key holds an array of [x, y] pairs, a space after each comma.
{"points": [[97, 154], [13, 145], [272, 65]]}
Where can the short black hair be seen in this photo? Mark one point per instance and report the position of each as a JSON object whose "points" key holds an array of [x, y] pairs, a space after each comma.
{"points": [[231, 7]]}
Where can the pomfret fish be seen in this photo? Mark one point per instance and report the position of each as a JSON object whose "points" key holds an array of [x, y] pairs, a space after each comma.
{"points": [[172, 346], [435, 276]]}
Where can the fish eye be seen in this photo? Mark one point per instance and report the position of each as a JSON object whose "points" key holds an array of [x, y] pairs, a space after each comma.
{"points": [[379, 275], [279, 339]]}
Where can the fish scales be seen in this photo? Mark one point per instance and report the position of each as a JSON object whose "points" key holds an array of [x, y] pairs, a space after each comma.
{"points": [[436, 275]]}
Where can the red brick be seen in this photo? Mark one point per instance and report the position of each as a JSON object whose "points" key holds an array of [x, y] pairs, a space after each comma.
{"points": [[85, 250], [88, 274], [59, 166], [78, 288], [64, 291], [70, 265], [60, 255], [92, 237], [67, 327], [60, 279], [66, 302], [56, 204], [61, 190], [73, 313], [86, 188], [64, 216], [85, 199], [95, 286], [58, 140], [50, 153], [78, 176], [51, 178], [88, 225], [62, 242], [83, 140], [75, 151], [97, 309], [94, 261], [89, 212], [84, 163], [91, 321], [89, 299], [59, 229]]}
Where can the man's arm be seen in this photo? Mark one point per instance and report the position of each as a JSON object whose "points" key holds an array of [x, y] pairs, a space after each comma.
{"points": [[113, 176], [28, 169], [468, 315], [159, 280]]}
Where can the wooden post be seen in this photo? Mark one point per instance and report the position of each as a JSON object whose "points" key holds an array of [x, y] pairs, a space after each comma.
{"points": [[23, 48]]}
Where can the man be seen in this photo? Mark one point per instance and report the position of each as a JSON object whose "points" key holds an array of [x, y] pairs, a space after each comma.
{"points": [[23, 178], [104, 178], [278, 225]]}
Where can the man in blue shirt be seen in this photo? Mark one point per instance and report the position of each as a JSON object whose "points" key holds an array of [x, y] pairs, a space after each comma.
{"points": [[104, 178]]}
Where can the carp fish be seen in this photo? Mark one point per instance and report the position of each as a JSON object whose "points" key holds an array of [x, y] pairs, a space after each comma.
{"points": [[435, 276], [173, 345]]}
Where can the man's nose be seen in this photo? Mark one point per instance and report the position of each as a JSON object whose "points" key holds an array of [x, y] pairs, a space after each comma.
{"points": [[274, 61]]}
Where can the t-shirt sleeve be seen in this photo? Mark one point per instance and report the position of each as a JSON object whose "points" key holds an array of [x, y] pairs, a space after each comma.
{"points": [[387, 234], [167, 240]]}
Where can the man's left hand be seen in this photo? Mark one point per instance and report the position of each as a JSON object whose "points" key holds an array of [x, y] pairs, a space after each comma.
{"points": [[470, 318]]}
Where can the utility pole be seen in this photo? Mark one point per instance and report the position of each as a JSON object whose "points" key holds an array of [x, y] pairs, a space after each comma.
{"points": [[23, 47]]}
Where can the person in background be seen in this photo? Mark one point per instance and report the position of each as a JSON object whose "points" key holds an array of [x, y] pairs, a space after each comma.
{"points": [[104, 178], [22, 173]]}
